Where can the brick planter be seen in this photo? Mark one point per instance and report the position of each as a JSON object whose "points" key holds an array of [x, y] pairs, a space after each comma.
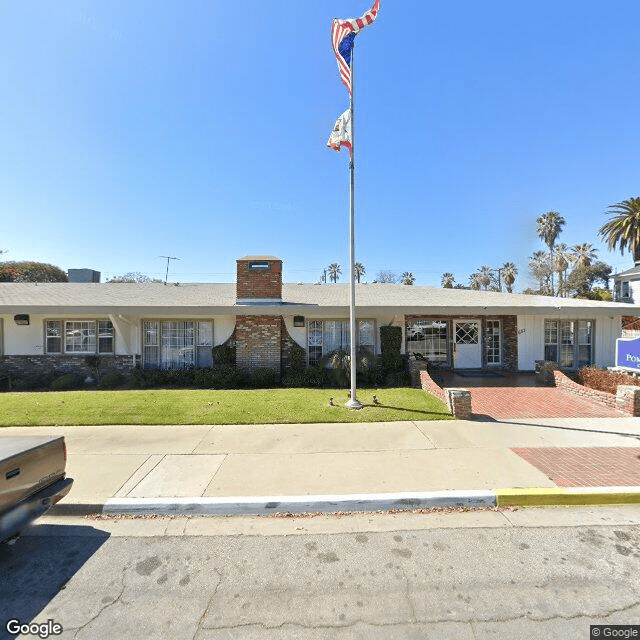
{"points": [[627, 398]]}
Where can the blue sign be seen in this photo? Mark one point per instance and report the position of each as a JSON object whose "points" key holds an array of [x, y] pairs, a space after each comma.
{"points": [[628, 353]]}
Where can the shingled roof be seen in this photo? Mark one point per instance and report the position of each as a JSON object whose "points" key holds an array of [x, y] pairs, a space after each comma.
{"points": [[321, 300]]}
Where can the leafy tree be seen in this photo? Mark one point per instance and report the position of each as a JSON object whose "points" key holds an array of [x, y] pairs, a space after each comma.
{"points": [[29, 271], [623, 230], [581, 280], [334, 272], [549, 226], [8, 273], [407, 278], [388, 277], [448, 280], [359, 270], [134, 276], [509, 273]]}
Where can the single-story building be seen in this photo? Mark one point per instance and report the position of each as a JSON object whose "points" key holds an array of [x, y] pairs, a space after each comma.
{"points": [[57, 325]]}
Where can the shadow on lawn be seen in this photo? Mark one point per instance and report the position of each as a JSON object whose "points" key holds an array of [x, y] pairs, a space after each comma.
{"points": [[424, 413]]}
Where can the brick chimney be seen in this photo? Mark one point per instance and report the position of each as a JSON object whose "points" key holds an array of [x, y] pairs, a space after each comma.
{"points": [[259, 279]]}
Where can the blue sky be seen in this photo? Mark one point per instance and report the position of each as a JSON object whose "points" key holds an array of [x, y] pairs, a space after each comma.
{"points": [[131, 130]]}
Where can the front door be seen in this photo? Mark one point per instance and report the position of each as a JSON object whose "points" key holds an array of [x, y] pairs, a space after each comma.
{"points": [[466, 348]]}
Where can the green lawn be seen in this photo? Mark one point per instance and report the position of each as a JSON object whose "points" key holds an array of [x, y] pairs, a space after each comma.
{"points": [[215, 407]]}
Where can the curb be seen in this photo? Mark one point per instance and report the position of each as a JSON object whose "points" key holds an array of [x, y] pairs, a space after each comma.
{"points": [[557, 496], [269, 505]]}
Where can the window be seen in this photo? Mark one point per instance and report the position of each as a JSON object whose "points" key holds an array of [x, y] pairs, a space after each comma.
{"points": [[625, 290], [492, 341], [79, 336], [326, 336], [429, 338], [569, 342], [177, 344]]}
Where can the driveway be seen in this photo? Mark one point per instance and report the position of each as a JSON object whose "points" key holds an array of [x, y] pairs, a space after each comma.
{"points": [[503, 396]]}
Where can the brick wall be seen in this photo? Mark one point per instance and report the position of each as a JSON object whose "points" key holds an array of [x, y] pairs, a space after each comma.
{"points": [[258, 342], [18, 366], [602, 397], [258, 283]]}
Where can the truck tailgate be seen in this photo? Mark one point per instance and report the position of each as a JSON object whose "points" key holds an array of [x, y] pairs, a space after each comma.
{"points": [[28, 464]]}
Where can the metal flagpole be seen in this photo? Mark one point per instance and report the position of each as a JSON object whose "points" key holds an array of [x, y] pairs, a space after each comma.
{"points": [[353, 401]]}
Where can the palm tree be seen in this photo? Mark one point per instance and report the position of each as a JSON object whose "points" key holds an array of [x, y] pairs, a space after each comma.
{"points": [[359, 270], [509, 273], [584, 254], [334, 271], [623, 229], [474, 281], [540, 269], [485, 276], [549, 226], [407, 278], [448, 280], [562, 256]]}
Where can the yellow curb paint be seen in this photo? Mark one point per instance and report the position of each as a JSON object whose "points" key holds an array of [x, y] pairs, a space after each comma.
{"points": [[553, 496]]}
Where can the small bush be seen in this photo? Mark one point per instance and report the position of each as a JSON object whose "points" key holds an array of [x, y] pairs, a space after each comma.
{"points": [[32, 382], [228, 377], [67, 382], [263, 378], [603, 380], [297, 358], [224, 354], [398, 379], [112, 381]]}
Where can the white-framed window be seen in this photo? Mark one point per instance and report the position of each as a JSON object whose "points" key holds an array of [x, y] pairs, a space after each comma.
{"points": [[569, 342], [177, 344], [326, 336], [625, 290], [493, 342], [79, 337], [429, 338]]}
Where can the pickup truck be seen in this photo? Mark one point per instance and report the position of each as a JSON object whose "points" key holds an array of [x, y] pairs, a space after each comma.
{"points": [[32, 479]]}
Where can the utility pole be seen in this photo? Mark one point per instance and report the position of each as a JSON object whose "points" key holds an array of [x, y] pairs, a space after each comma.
{"points": [[166, 276]]}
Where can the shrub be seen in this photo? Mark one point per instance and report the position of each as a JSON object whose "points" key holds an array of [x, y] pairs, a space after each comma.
{"points": [[398, 379], [390, 345], [603, 380], [263, 378], [228, 377], [224, 354], [112, 381], [32, 382], [297, 358], [67, 382]]}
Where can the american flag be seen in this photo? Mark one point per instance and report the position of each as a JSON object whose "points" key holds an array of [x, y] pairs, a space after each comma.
{"points": [[343, 33]]}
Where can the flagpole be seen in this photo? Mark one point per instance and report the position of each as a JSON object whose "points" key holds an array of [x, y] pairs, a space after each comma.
{"points": [[353, 400]]}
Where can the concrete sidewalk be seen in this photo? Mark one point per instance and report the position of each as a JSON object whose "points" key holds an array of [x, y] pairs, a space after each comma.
{"points": [[327, 467]]}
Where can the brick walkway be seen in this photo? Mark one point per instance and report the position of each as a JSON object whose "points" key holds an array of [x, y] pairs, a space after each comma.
{"points": [[586, 466], [535, 402]]}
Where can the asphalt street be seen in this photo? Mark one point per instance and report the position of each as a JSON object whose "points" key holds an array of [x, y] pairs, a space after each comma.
{"points": [[532, 573]]}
